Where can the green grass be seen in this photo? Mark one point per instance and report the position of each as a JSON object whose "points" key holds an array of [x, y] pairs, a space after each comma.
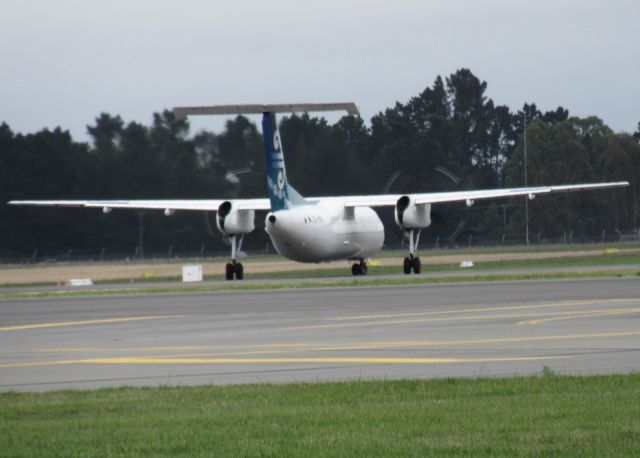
{"points": [[347, 282], [533, 248], [343, 278], [544, 415], [581, 261]]}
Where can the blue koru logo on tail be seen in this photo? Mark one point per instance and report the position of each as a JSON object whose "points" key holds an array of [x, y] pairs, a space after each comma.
{"points": [[278, 191], [276, 140], [276, 174], [280, 179]]}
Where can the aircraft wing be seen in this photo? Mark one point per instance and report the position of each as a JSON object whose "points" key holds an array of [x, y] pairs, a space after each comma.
{"points": [[382, 200], [166, 205], [467, 196]]}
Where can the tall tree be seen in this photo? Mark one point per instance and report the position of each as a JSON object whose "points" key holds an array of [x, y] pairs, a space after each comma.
{"points": [[450, 136], [320, 160], [571, 151], [237, 158]]}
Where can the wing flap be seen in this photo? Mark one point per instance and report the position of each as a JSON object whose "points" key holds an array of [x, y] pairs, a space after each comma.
{"points": [[382, 200]]}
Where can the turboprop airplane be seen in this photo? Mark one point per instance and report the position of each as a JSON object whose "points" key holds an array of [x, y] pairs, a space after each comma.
{"points": [[315, 229]]}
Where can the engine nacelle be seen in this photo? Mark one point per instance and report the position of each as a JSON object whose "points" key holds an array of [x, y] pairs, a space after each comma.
{"points": [[410, 215], [231, 221]]}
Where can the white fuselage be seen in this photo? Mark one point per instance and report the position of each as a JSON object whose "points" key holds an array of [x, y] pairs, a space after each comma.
{"points": [[325, 232]]}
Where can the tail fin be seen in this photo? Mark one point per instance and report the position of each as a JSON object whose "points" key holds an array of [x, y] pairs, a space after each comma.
{"points": [[281, 194]]}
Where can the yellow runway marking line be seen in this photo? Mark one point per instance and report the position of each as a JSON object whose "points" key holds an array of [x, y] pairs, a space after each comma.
{"points": [[265, 349], [101, 349], [408, 344], [441, 343], [25, 327], [320, 360], [166, 348], [434, 320], [593, 314], [483, 309]]}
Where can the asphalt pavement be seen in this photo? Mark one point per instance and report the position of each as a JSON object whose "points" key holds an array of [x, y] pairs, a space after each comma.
{"points": [[318, 334]]}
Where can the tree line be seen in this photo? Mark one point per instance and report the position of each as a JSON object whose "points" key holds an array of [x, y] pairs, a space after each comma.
{"points": [[451, 136]]}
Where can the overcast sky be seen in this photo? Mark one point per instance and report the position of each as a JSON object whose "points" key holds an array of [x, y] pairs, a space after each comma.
{"points": [[63, 62]]}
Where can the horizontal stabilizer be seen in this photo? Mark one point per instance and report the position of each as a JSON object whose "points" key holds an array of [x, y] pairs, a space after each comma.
{"points": [[183, 112]]}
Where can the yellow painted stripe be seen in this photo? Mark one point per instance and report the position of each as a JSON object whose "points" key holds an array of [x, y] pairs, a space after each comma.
{"points": [[102, 349], [59, 324], [597, 313], [441, 343], [433, 320], [407, 344], [321, 360], [165, 348], [312, 347], [529, 338], [472, 310]]}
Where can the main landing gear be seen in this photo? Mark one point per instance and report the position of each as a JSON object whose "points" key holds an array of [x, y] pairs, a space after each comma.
{"points": [[413, 261], [234, 267], [359, 268]]}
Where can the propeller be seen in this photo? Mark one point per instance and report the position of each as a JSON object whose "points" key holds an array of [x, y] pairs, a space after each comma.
{"points": [[233, 177], [438, 216]]}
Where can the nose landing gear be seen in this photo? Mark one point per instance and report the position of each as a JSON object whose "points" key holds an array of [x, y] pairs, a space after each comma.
{"points": [[359, 268], [234, 268]]}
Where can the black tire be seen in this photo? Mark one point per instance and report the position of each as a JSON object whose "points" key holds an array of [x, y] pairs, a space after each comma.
{"points": [[355, 269], [363, 268], [417, 265], [228, 273], [239, 271], [407, 266]]}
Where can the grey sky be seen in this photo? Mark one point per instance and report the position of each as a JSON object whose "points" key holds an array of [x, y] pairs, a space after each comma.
{"points": [[63, 62]]}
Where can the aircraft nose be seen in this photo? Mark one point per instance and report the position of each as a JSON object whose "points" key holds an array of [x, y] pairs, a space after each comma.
{"points": [[283, 224]]}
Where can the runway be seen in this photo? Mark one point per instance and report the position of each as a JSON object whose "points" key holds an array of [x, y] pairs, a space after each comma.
{"points": [[414, 331]]}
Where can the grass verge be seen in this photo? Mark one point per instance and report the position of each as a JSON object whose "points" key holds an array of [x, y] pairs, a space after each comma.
{"points": [[544, 415], [583, 261], [348, 282], [609, 260]]}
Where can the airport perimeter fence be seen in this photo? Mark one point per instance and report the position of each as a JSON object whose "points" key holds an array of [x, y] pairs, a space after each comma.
{"points": [[220, 251]]}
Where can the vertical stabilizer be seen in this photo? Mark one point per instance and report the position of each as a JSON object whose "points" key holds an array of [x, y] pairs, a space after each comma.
{"points": [[281, 195]]}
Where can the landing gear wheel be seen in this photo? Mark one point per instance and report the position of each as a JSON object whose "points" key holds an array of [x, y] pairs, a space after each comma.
{"points": [[239, 271], [228, 273], [417, 265], [412, 262], [234, 268], [355, 269], [407, 266], [363, 268]]}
